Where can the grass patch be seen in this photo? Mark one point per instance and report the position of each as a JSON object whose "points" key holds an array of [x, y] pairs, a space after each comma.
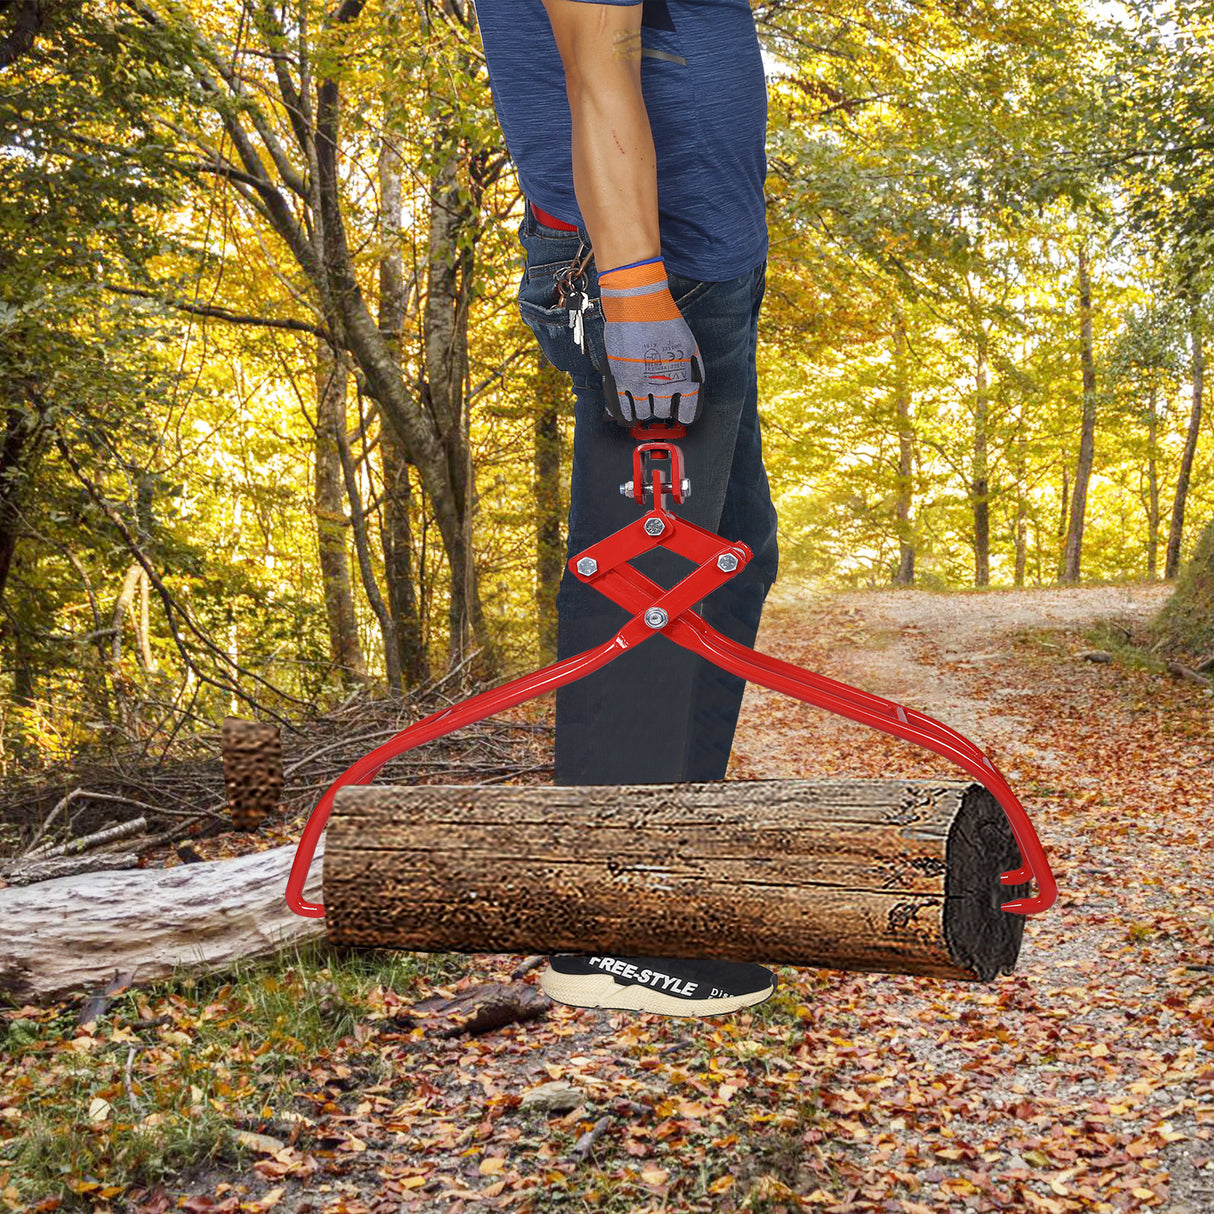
{"points": [[118, 1108], [1125, 647], [1122, 644], [879, 638]]}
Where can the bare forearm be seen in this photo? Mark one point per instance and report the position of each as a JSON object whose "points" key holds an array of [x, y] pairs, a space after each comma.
{"points": [[615, 170]]}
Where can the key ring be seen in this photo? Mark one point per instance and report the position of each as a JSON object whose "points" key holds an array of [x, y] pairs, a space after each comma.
{"points": [[567, 281]]}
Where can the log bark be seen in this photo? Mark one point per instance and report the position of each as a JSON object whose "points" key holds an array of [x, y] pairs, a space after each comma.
{"points": [[76, 932], [252, 770], [884, 876]]}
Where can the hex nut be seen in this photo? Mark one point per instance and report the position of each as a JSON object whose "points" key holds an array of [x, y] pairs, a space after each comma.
{"points": [[587, 565]]}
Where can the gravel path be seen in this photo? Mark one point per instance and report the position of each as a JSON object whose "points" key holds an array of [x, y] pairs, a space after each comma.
{"points": [[1102, 1035], [924, 629]]}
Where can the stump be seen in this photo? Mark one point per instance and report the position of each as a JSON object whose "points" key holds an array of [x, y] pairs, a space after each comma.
{"points": [[252, 770], [885, 876]]}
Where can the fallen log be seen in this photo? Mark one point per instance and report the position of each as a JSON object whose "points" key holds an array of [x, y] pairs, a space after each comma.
{"points": [[74, 933], [886, 876]]}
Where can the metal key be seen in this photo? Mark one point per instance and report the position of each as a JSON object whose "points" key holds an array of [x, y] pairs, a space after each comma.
{"points": [[577, 303]]}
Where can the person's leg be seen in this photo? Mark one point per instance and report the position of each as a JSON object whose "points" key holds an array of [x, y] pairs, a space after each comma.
{"points": [[660, 713], [656, 713]]}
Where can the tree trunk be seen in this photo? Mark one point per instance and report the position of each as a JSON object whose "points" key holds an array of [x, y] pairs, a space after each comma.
{"points": [[982, 521], [906, 548], [1083, 469], [303, 206], [1153, 482], [397, 529], [1021, 498], [20, 452], [344, 649], [146, 657], [886, 876], [362, 547], [1176, 531], [428, 444], [551, 386], [450, 267]]}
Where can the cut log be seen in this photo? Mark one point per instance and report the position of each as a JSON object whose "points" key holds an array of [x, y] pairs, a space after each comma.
{"points": [[252, 770], [74, 933], [885, 876]]}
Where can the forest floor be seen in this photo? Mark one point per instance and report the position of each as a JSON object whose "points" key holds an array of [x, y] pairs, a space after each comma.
{"points": [[1082, 1082]]}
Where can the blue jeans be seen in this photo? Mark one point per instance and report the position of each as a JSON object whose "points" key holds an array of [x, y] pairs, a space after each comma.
{"points": [[658, 713]]}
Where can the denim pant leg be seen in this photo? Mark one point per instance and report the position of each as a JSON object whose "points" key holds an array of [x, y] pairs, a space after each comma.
{"points": [[658, 713]]}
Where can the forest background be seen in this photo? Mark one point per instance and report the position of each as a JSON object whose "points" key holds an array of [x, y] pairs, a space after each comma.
{"points": [[273, 426]]}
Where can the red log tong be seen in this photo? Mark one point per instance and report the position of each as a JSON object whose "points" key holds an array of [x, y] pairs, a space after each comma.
{"points": [[605, 566]]}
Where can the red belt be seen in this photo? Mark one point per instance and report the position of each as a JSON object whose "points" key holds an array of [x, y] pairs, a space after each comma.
{"points": [[551, 221]]}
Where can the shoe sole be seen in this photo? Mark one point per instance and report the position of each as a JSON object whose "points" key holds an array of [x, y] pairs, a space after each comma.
{"points": [[601, 990]]}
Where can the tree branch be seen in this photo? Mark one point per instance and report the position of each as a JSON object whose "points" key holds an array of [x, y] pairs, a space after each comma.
{"points": [[170, 605], [268, 322]]}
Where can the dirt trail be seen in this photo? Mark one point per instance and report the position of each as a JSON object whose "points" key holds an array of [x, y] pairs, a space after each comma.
{"points": [[1101, 1041], [901, 645]]}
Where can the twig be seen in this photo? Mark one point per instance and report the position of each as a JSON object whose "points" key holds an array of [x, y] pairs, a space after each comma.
{"points": [[425, 770], [42, 850], [525, 967], [136, 1107], [585, 1144], [51, 817], [74, 846], [519, 772]]}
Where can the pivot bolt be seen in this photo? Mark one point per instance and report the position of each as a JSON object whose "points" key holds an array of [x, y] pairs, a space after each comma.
{"points": [[654, 526], [655, 617], [686, 487], [626, 488], [587, 565], [727, 562]]}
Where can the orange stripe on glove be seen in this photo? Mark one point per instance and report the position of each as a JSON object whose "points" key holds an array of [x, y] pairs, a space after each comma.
{"points": [[653, 357]]}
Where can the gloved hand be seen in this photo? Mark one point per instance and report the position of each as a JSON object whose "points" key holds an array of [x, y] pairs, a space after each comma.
{"points": [[653, 355]]}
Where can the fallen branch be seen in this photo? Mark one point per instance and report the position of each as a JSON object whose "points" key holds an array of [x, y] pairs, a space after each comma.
{"points": [[585, 1144], [1190, 676], [481, 1008], [97, 839], [69, 866]]}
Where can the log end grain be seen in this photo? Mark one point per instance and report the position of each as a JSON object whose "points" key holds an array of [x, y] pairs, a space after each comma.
{"points": [[980, 936]]}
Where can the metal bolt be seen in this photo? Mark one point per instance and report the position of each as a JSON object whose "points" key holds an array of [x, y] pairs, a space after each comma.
{"points": [[655, 617], [587, 565], [626, 488], [686, 487], [727, 562], [654, 526]]}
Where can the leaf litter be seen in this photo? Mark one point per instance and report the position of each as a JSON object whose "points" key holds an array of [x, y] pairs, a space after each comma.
{"points": [[1082, 1082]]}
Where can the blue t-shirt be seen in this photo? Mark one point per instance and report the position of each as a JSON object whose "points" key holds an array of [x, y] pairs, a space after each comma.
{"points": [[706, 96]]}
